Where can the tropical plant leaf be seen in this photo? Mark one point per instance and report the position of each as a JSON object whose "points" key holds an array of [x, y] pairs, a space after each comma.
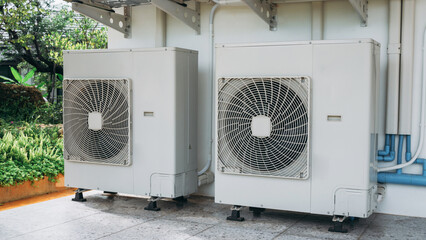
{"points": [[7, 79], [40, 85], [29, 75], [60, 76], [16, 75]]}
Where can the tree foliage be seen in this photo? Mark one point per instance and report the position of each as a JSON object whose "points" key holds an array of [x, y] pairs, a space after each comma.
{"points": [[36, 33]]}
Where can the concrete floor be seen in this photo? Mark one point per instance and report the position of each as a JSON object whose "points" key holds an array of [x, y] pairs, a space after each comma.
{"points": [[123, 217]]}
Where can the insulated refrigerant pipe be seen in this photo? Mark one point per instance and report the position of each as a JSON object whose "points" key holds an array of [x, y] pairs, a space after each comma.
{"points": [[422, 116], [394, 59], [407, 63]]}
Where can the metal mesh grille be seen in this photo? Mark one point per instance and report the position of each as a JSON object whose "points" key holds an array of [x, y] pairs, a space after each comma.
{"points": [[108, 98], [285, 101]]}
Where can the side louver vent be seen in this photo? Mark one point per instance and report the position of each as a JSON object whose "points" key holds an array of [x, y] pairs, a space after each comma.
{"points": [[97, 121], [263, 126]]}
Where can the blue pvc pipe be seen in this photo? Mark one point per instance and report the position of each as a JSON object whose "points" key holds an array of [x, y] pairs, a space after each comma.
{"points": [[409, 179], [404, 178], [386, 151], [391, 156], [423, 162], [399, 155], [408, 149]]}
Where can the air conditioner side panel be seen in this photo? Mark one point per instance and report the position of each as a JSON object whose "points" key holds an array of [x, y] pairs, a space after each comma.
{"points": [[344, 85], [154, 120], [161, 141]]}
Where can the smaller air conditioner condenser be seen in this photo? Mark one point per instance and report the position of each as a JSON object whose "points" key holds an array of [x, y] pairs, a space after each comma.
{"points": [[130, 121]]}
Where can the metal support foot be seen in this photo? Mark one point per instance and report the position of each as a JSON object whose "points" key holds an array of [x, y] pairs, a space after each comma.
{"points": [[235, 214], [180, 201], [256, 211], [79, 195], [152, 205], [112, 193], [338, 224]]}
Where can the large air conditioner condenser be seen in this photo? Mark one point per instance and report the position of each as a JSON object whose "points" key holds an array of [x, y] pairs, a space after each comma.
{"points": [[297, 126], [130, 121]]}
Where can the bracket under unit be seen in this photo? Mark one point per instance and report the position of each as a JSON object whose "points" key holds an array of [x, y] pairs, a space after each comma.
{"points": [[361, 7], [186, 15], [266, 10], [111, 19]]}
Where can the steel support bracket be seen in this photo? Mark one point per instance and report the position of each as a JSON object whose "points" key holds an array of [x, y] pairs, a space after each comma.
{"points": [[361, 7], [111, 19], [266, 10], [184, 14]]}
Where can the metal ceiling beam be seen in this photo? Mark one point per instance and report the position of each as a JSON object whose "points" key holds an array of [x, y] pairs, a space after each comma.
{"points": [[91, 3], [184, 14], [119, 3], [361, 7], [97, 8], [266, 10], [111, 19]]}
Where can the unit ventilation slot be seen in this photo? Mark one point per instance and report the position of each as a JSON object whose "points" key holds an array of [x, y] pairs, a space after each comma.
{"points": [[263, 126], [97, 121]]}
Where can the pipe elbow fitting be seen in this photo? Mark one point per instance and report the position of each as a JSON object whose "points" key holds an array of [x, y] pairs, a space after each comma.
{"points": [[407, 156], [384, 152], [390, 157]]}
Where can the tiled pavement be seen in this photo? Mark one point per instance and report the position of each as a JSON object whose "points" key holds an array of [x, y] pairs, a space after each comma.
{"points": [[123, 217]]}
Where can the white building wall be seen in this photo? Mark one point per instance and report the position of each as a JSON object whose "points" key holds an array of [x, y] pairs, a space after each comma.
{"points": [[238, 24]]}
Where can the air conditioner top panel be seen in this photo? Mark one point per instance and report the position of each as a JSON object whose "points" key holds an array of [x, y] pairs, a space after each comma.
{"points": [[319, 42], [172, 49]]}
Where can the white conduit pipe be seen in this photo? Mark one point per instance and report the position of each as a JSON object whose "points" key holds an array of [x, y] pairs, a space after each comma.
{"points": [[407, 63], [394, 63], [422, 116], [225, 2], [211, 32]]}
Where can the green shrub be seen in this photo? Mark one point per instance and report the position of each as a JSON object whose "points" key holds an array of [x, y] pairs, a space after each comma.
{"points": [[18, 102], [29, 152], [48, 113]]}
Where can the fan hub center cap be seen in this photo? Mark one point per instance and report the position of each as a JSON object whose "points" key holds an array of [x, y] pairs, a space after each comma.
{"points": [[261, 126], [95, 121]]}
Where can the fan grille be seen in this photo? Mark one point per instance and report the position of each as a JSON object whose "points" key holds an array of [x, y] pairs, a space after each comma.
{"points": [[285, 101], [109, 98]]}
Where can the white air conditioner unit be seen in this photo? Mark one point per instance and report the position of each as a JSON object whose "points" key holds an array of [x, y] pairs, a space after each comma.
{"points": [[297, 126], [130, 121]]}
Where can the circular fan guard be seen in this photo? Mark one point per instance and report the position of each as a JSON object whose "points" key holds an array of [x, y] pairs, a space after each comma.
{"points": [[109, 145], [286, 102]]}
